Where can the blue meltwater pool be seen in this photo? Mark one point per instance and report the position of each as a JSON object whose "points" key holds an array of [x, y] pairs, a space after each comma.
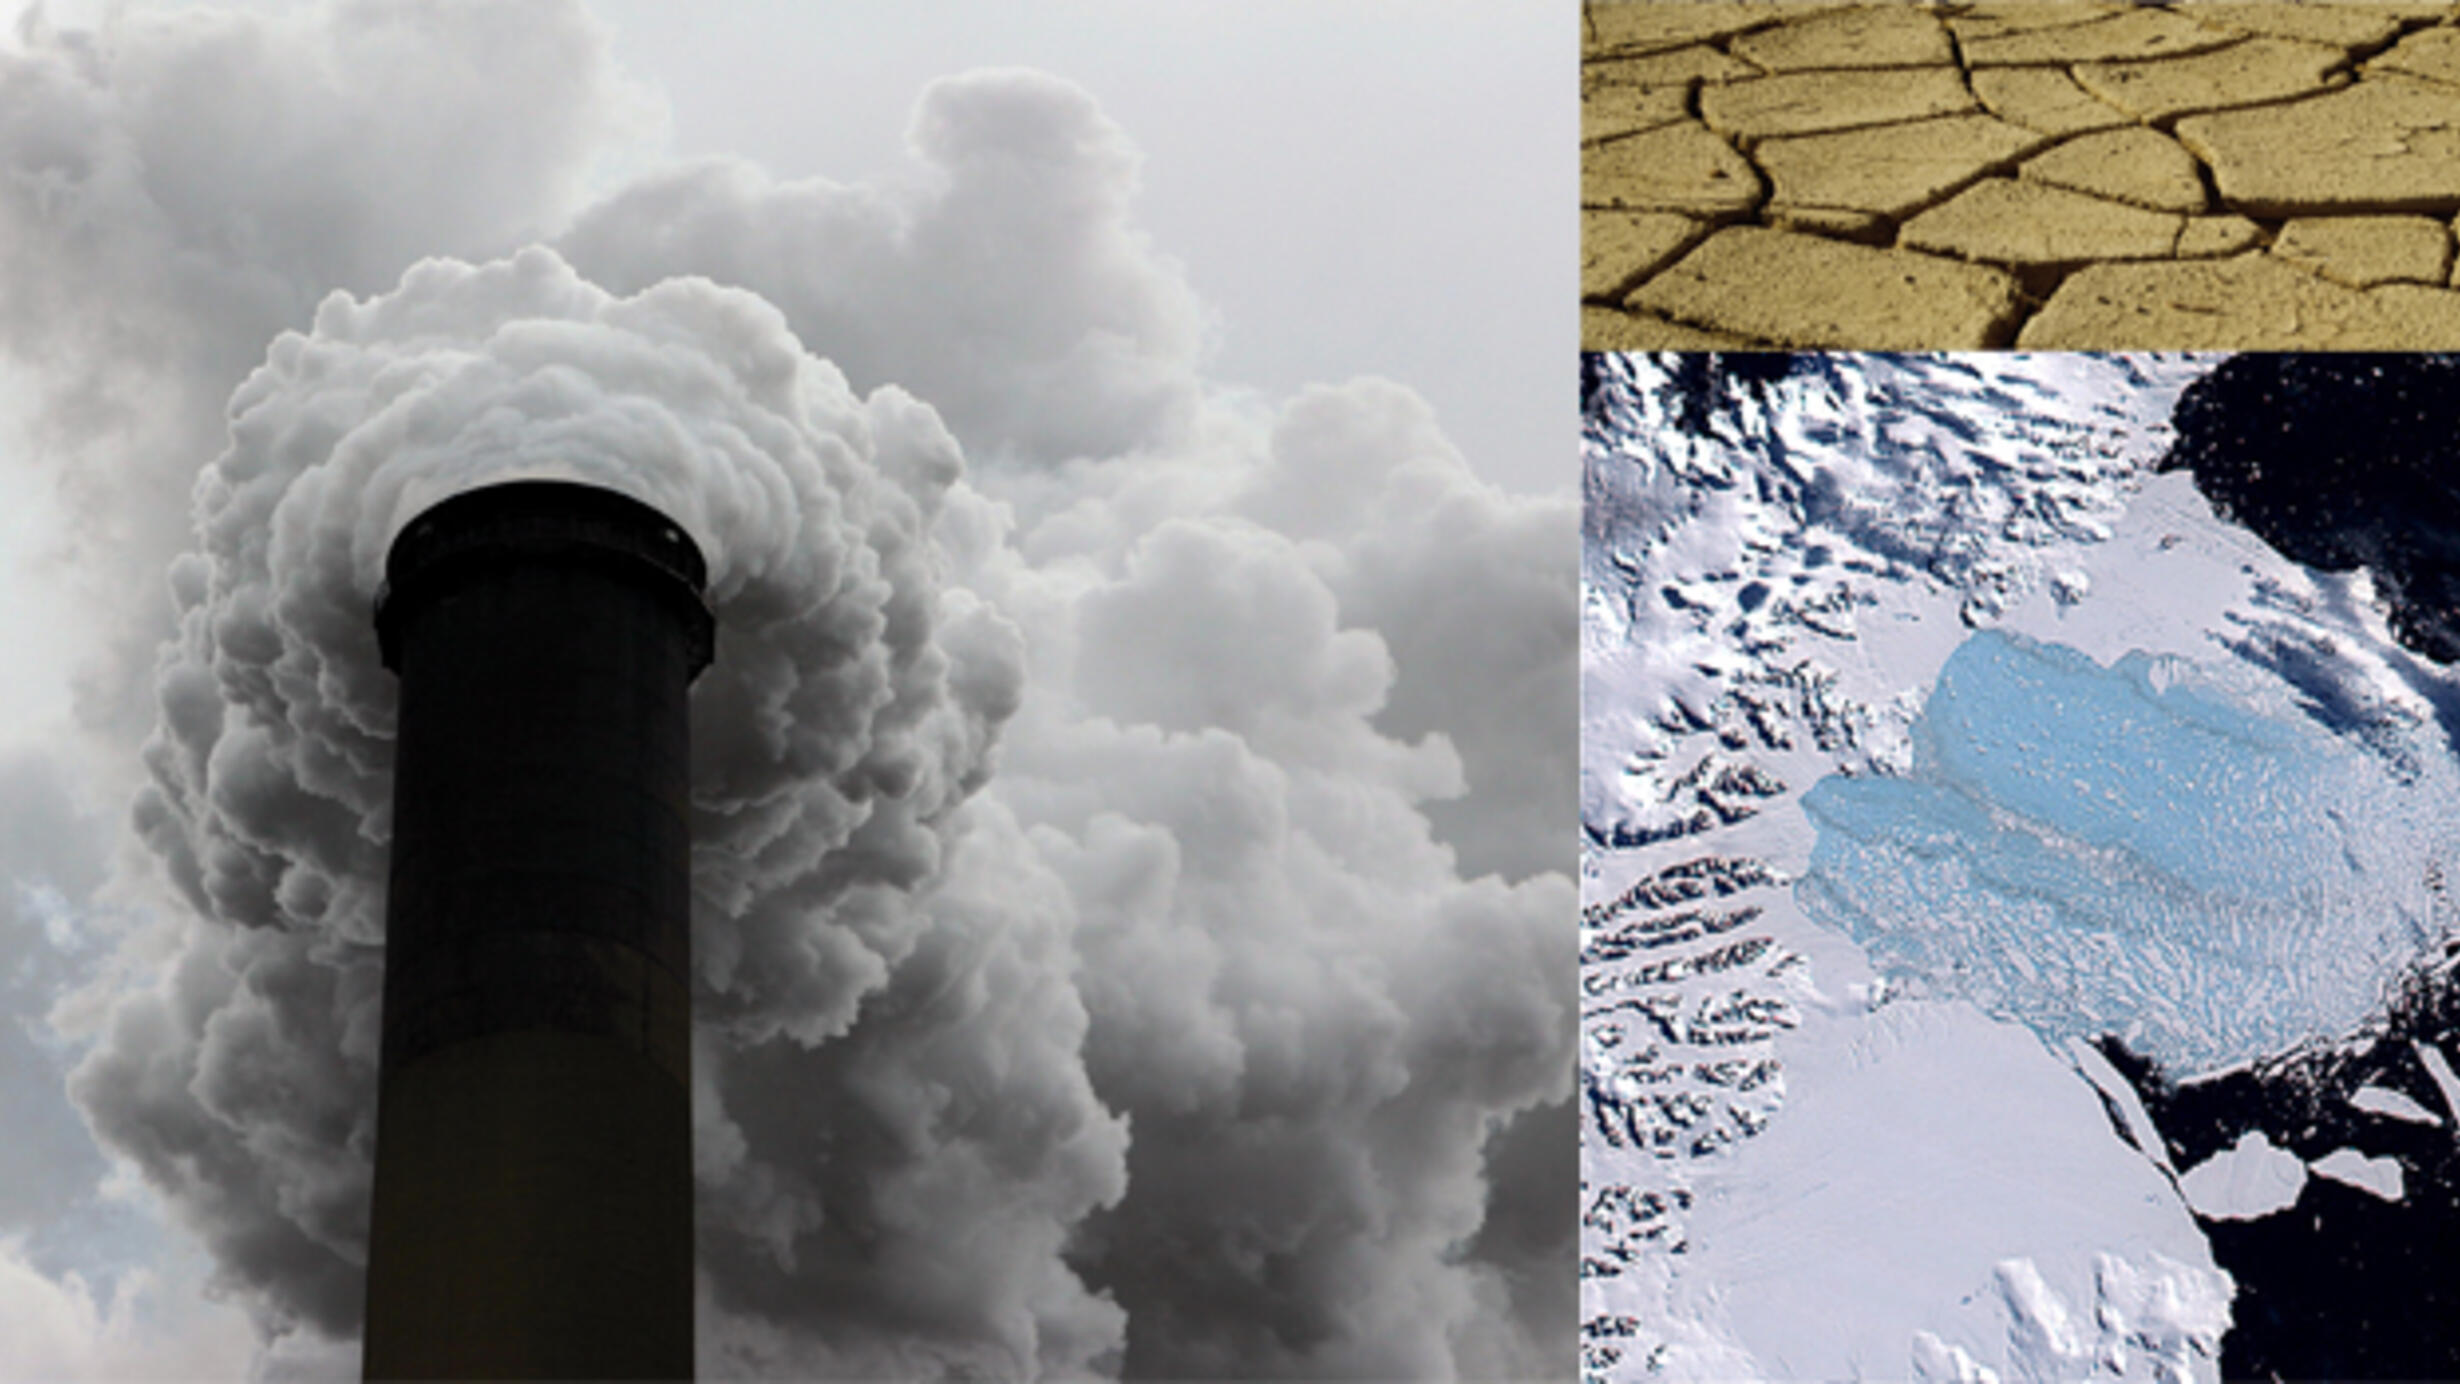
{"points": [[2170, 853]]}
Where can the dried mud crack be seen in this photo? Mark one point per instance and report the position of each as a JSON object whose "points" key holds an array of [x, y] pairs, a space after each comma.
{"points": [[2043, 174]]}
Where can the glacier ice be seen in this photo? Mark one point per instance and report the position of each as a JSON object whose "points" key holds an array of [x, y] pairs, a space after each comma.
{"points": [[2383, 1100], [2368, 1172], [2250, 1178], [1770, 579], [1921, 1148]]}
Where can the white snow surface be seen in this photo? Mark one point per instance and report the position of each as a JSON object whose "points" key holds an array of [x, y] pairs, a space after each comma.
{"points": [[2249, 1179], [1935, 1173], [1798, 1162], [2162, 1325], [1793, 1163]]}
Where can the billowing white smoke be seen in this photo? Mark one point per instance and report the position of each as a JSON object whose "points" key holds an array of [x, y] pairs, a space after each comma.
{"points": [[849, 714], [182, 184], [1090, 350], [1168, 1035], [1078, 398]]}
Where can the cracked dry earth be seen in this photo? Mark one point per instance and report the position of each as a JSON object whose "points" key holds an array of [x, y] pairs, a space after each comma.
{"points": [[2045, 174]]}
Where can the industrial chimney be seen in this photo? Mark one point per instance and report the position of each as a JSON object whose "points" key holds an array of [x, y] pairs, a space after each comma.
{"points": [[533, 1186]]}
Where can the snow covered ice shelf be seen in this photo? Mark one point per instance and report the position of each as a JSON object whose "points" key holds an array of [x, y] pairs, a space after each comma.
{"points": [[1984, 842]]}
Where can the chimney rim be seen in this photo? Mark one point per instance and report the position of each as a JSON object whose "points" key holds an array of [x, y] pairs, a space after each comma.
{"points": [[539, 519]]}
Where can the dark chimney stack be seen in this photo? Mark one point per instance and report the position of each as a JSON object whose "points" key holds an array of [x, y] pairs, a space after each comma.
{"points": [[533, 1184]]}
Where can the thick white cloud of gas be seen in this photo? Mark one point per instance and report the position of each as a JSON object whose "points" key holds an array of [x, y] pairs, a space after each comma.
{"points": [[1130, 932]]}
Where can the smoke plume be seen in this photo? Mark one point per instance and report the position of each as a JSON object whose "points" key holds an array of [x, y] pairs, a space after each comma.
{"points": [[181, 184], [1128, 926]]}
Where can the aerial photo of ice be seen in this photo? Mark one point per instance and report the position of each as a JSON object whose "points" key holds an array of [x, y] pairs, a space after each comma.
{"points": [[2021, 809]]}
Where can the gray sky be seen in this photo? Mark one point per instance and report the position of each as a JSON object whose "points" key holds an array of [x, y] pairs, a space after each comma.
{"points": [[1356, 186], [1278, 660]]}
